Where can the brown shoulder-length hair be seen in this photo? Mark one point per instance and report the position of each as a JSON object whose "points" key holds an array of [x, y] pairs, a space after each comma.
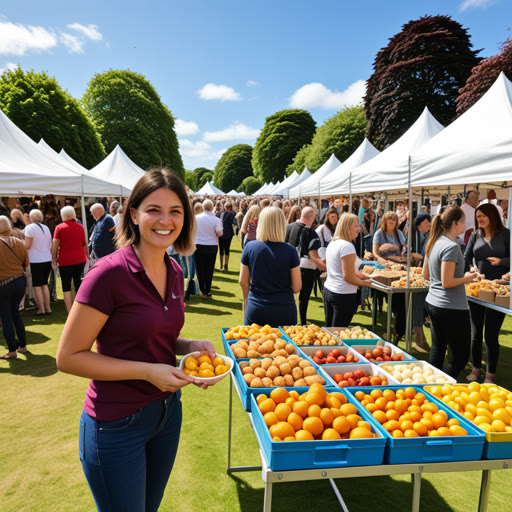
{"points": [[389, 216], [155, 178], [495, 223]]}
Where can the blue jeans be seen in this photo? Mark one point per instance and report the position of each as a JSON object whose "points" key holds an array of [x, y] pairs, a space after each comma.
{"points": [[127, 462], [10, 298]]}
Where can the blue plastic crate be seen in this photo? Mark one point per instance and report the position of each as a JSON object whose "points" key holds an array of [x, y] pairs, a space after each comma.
{"points": [[371, 369], [427, 449], [296, 455]]}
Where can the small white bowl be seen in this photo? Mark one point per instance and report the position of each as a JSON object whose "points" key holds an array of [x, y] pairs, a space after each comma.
{"points": [[209, 380]]}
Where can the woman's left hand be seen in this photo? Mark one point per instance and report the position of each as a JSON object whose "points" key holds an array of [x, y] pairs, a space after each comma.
{"points": [[203, 346], [494, 261]]}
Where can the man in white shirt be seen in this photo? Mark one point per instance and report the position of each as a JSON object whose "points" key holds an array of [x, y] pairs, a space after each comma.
{"points": [[209, 228], [469, 207]]}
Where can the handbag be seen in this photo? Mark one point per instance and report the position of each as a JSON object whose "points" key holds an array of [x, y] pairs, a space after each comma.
{"points": [[322, 251]]}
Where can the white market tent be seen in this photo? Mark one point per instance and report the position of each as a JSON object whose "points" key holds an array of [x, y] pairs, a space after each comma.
{"points": [[28, 169], [64, 155], [311, 186], [286, 183], [475, 148], [233, 192], [264, 189], [389, 169], [118, 168], [330, 185], [93, 185], [285, 191], [209, 189], [271, 191], [257, 193]]}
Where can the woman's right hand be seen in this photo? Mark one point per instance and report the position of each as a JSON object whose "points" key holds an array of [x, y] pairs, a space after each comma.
{"points": [[471, 276], [168, 378]]}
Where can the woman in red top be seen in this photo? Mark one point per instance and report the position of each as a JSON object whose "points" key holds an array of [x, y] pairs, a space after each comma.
{"points": [[70, 252]]}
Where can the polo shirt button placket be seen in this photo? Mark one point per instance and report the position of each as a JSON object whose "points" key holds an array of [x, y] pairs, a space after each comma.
{"points": [[166, 308]]}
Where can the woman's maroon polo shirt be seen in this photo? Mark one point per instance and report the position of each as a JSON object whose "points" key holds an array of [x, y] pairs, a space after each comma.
{"points": [[141, 327]]}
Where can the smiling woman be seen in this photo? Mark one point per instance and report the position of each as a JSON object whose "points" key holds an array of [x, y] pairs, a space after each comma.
{"points": [[131, 304]]}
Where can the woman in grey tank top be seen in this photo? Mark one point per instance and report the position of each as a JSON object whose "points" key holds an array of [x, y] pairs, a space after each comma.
{"points": [[446, 302]]}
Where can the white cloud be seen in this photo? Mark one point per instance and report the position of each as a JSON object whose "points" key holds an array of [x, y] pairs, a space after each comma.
{"points": [[251, 83], [9, 66], [185, 128], [235, 131], [199, 151], [317, 95], [89, 31], [73, 43], [475, 4], [18, 39], [218, 92]]}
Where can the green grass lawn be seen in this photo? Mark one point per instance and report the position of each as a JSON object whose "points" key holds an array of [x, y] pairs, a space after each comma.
{"points": [[39, 416]]}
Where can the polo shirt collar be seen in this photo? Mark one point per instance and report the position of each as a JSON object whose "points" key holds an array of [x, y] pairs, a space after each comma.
{"points": [[134, 264]]}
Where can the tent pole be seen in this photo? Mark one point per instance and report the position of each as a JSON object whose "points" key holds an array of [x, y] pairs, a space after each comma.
{"points": [[84, 216], [408, 302], [350, 192], [319, 204], [509, 213]]}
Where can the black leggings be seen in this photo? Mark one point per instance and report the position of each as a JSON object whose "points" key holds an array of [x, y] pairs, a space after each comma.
{"points": [[339, 308], [224, 245], [449, 327], [205, 265], [308, 276], [492, 321], [71, 272]]}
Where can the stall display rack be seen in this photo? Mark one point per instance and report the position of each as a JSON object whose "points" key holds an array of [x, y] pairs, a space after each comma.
{"points": [[415, 470]]}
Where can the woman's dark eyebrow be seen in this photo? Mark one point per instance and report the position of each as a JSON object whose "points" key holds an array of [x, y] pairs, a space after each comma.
{"points": [[159, 206]]}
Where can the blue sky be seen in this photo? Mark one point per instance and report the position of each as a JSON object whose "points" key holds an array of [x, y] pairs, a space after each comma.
{"points": [[223, 66]]}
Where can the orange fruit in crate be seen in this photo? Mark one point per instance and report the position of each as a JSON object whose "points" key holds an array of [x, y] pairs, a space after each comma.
{"points": [[341, 425], [295, 421], [279, 395], [313, 425], [411, 433], [327, 416], [329, 434], [315, 398], [457, 430], [282, 429], [282, 411], [439, 420], [304, 435], [260, 398], [314, 411], [397, 433], [270, 418], [332, 401], [420, 428], [360, 433], [267, 405], [340, 396], [347, 409], [301, 408], [380, 416], [354, 419]]}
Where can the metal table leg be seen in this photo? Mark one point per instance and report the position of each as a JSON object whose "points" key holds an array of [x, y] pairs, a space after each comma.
{"points": [[388, 331], [408, 321], [230, 420], [375, 307], [484, 490], [416, 492]]}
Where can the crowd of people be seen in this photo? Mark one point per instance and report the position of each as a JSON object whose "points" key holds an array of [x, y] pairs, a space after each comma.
{"points": [[140, 255]]}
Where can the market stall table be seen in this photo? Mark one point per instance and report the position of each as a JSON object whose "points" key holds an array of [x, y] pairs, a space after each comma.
{"points": [[390, 290], [415, 470]]}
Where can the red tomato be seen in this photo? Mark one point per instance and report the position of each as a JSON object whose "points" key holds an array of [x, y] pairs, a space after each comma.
{"points": [[358, 374], [338, 377], [349, 358], [331, 360], [341, 359], [316, 360], [351, 382], [319, 354], [336, 353], [349, 375], [343, 384], [365, 381]]}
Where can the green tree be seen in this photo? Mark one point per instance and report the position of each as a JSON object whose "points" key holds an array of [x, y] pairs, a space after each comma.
{"points": [[190, 180], [233, 166], [284, 133], [199, 171], [424, 65], [38, 105], [205, 177], [341, 134], [299, 162], [484, 75], [127, 110], [249, 185]]}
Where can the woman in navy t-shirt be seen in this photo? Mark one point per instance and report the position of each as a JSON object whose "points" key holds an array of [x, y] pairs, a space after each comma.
{"points": [[270, 273]]}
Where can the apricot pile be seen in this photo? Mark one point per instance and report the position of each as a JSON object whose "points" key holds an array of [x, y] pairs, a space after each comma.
{"points": [[310, 335], [248, 331], [205, 367], [407, 413], [314, 415]]}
